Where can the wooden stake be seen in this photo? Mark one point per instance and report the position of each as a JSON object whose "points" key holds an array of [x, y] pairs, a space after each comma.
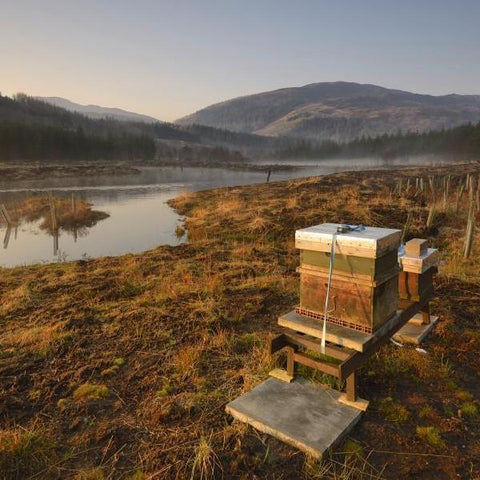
{"points": [[470, 231], [471, 218], [53, 214], [6, 239], [431, 212], [460, 190], [406, 228], [268, 175], [6, 215], [446, 189]]}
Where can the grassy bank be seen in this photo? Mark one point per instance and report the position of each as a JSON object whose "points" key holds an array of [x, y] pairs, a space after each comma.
{"points": [[121, 367]]}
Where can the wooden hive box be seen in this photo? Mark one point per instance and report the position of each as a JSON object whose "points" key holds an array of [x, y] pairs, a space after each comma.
{"points": [[364, 285], [419, 265]]}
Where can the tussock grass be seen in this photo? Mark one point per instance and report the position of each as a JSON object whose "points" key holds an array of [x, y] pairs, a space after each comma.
{"points": [[431, 435], [27, 451], [205, 462], [90, 391], [193, 323]]}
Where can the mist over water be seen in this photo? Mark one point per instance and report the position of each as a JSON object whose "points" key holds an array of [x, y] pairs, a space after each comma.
{"points": [[139, 218]]}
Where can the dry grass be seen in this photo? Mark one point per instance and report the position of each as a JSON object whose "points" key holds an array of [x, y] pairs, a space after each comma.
{"points": [[27, 451], [191, 326], [42, 340]]}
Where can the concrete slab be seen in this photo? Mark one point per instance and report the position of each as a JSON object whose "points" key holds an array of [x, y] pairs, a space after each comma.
{"points": [[414, 332], [307, 416]]}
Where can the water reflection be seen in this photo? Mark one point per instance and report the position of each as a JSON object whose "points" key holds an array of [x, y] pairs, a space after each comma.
{"points": [[139, 219], [6, 238]]}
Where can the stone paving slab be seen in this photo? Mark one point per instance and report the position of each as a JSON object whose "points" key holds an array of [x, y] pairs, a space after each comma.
{"points": [[306, 416]]}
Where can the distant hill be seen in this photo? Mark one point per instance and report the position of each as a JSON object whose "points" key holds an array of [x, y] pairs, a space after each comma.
{"points": [[339, 111], [32, 129], [95, 111]]}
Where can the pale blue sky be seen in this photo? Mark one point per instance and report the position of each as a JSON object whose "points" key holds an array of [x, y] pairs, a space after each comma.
{"points": [[170, 58]]}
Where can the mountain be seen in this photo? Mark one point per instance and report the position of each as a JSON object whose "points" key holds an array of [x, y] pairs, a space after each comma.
{"points": [[95, 111], [339, 111]]}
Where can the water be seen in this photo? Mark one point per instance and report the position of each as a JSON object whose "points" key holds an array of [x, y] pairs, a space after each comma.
{"points": [[139, 217]]}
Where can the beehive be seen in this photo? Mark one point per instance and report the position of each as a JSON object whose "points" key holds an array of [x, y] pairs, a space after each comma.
{"points": [[364, 283], [419, 265]]}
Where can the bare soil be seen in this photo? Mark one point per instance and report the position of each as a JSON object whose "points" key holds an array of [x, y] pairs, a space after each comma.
{"points": [[120, 368]]}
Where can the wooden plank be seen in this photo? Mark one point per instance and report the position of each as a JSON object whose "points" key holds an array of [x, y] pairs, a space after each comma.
{"points": [[298, 340], [351, 388], [310, 343], [291, 361], [336, 334], [324, 367]]}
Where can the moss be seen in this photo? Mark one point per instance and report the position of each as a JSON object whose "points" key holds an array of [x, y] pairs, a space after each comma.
{"points": [[119, 361], [165, 390], [245, 342], [469, 409], [353, 448], [90, 391], [90, 474], [431, 435], [138, 475], [393, 411], [426, 412], [464, 395]]}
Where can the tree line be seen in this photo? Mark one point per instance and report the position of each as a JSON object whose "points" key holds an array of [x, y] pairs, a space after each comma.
{"points": [[463, 140]]}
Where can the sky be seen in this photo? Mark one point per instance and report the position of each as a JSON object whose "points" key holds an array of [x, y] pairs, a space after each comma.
{"points": [[170, 58]]}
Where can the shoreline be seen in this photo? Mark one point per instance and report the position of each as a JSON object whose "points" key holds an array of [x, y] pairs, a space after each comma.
{"points": [[149, 347], [24, 171]]}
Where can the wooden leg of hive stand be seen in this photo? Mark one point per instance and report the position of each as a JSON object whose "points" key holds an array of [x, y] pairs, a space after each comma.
{"points": [[290, 361], [425, 311], [352, 387]]}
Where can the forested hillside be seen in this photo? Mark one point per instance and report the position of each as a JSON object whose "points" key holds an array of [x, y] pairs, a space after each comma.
{"points": [[461, 141], [31, 129]]}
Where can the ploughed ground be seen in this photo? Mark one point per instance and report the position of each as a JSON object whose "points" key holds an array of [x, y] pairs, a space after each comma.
{"points": [[120, 368]]}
